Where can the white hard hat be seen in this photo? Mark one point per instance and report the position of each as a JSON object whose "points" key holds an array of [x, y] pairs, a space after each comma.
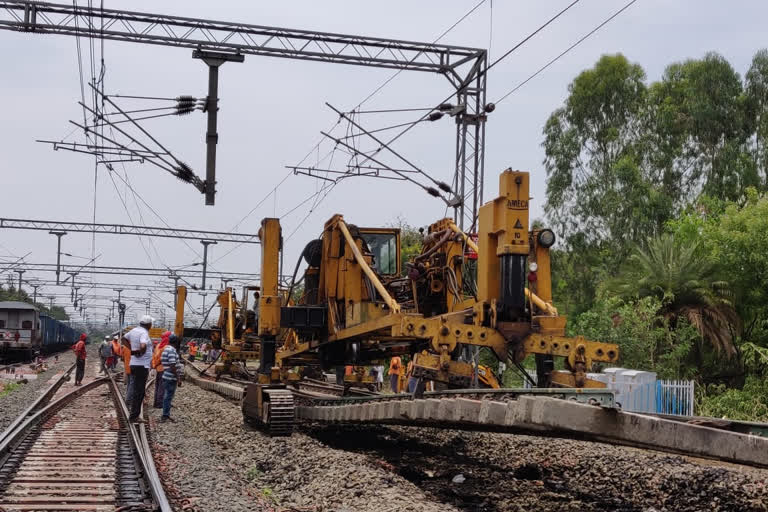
{"points": [[146, 320]]}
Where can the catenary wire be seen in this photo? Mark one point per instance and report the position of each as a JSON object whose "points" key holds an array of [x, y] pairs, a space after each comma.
{"points": [[566, 51]]}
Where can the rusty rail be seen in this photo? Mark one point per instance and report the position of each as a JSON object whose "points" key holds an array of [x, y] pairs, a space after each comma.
{"points": [[42, 399], [36, 454]]}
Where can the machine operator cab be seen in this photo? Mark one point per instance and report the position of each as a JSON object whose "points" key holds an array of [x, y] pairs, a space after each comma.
{"points": [[384, 246]]}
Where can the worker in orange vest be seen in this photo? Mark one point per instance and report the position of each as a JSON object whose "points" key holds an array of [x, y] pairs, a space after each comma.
{"points": [[125, 353], [117, 352], [80, 353], [192, 351], [395, 369], [158, 366]]}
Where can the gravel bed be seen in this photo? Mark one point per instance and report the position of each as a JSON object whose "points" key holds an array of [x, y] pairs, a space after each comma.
{"points": [[505, 472], [16, 401], [216, 463]]}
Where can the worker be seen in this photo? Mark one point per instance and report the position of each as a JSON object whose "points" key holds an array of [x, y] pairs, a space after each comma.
{"points": [[117, 352], [158, 367], [379, 377], [138, 342], [125, 353], [105, 350], [80, 354], [192, 351], [395, 369], [172, 374], [412, 381]]}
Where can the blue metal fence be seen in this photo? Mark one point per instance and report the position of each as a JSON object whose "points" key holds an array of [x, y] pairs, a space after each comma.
{"points": [[675, 397]]}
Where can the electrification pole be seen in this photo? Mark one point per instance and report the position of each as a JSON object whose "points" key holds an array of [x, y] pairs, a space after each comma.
{"points": [[20, 272], [58, 234], [214, 60], [205, 243]]}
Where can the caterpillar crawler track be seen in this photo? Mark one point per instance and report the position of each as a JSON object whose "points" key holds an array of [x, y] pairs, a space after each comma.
{"points": [[269, 407]]}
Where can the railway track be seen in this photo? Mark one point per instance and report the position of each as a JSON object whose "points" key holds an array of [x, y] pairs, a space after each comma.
{"points": [[76, 450], [567, 413]]}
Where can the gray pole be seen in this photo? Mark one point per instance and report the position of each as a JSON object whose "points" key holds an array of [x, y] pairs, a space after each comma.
{"points": [[175, 291], [205, 243], [72, 290], [20, 272], [34, 294], [214, 60], [58, 234]]}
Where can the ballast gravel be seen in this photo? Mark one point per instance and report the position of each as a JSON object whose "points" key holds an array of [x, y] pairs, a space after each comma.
{"points": [[211, 461], [16, 401]]}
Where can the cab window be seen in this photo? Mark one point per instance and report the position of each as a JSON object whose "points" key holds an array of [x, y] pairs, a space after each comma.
{"points": [[383, 246]]}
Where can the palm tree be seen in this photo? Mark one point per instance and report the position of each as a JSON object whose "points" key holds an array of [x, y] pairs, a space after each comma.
{"points": [[687, 285]]}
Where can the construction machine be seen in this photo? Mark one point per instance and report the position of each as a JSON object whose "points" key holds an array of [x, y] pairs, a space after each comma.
{"points": [[358, 309]]}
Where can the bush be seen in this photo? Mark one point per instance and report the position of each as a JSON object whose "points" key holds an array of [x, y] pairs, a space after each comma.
{"points": [[646, 340], [747, 404]]}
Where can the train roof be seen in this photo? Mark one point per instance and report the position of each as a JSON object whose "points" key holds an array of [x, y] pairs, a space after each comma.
{"points": [[12, 304]]}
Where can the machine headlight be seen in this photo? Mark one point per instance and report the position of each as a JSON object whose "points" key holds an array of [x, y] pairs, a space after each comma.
{"points": [[533, 266], [546, 238]]}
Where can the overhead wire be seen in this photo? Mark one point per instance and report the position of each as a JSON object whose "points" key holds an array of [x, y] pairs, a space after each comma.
{"points": [[391, 78], [566, 51], [489, 67], [362, 102], [442, 35]]}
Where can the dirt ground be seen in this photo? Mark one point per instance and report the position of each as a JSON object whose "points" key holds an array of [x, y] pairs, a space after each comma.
{"points": [[211, 461]]}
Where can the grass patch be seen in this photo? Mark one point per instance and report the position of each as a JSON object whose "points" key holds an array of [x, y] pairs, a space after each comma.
{"points": [[252, 474], [269, 495], [9, 388]]}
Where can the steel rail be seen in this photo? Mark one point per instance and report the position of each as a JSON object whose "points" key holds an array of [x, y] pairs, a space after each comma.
{"points": [[138, 436], [140, 442], [42, 399], [22, 428]]}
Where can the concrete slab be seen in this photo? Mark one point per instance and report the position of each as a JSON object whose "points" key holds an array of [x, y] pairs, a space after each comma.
{"points": [[466, 411], [431, 409], [492, 413]]}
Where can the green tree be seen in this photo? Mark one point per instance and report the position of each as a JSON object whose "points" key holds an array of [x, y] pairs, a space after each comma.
{"points": [[594, 154], [645, 338], [757, 92], [11, 294], [738, 241], [410, 242], [700, 121], [687, 285]]}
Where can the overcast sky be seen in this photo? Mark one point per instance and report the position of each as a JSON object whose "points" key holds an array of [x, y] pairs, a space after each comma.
{"points": [[272, 111]]}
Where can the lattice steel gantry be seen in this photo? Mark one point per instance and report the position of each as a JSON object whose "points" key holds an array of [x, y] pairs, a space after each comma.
{"points": [[464, 67]]}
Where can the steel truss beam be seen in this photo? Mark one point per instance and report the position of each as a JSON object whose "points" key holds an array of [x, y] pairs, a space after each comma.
{"points": [[125, 229], [132, 271], [221, 36], [464, 67]]}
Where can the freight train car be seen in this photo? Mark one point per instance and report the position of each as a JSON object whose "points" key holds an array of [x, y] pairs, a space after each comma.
{"points": [[24, 332], [55, 336]]}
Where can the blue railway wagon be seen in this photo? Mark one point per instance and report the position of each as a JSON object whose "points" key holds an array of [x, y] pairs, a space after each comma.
{"points": [[55, 335]]}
